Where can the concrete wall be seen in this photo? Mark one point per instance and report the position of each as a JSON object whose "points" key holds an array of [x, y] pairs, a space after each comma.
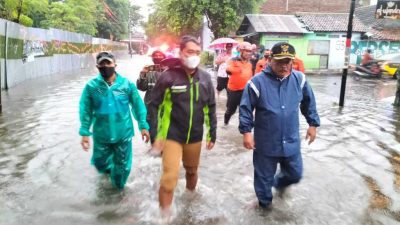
{"points": [[27, 53]]}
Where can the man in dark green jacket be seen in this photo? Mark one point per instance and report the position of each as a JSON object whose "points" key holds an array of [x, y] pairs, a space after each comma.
{"points": [[184, 100]]}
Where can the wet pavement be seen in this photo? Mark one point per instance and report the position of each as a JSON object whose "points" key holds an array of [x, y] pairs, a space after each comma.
{"points": [[351, 172]]}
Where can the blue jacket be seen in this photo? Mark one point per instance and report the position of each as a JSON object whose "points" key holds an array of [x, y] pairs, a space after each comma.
{"points": [[276, 123]]}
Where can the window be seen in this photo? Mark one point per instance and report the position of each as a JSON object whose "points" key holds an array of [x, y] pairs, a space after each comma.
{"points": [[318, 48]]}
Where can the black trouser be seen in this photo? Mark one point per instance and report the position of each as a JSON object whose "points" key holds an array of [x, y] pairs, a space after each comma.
{"points": [[232, 103], [222, 83]]}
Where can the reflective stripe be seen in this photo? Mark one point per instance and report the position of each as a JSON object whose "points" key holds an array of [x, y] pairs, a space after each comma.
{"points": [[206, 111], [164, 116], [253, 86], [303, 80]]}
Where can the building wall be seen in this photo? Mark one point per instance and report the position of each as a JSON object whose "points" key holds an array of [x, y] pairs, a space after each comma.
{"points": [[378, 48], [336, 52]]}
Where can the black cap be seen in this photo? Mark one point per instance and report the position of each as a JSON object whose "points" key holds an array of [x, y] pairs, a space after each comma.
{"points": [[104, 56], [283, 50]]}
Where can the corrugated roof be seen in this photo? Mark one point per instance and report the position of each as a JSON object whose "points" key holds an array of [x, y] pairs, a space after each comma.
{"points": [[387, 35], [333, 22], [264, 23], [367, 16], [381, 29]]}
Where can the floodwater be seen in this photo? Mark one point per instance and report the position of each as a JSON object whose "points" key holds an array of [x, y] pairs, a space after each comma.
{"points": [[351, 172]]}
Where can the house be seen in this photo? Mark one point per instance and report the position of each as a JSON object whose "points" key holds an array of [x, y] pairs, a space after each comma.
{"points": [[383, 36], [319, 38], [321, 6], [326, 43]]}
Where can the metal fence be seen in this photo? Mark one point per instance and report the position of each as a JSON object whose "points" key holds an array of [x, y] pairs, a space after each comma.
{"points": [[27, 53]]}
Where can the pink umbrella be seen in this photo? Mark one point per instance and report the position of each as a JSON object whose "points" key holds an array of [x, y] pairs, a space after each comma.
{"points": [[221, 42]]}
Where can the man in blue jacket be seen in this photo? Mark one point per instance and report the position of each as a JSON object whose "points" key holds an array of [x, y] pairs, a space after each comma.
{"points": [[276, 94]]}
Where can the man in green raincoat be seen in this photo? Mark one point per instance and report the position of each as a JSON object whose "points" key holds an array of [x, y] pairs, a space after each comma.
{"points": [[107, 102]]}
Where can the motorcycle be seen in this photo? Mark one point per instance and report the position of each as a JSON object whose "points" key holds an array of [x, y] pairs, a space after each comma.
{"points": [[372, 69]]}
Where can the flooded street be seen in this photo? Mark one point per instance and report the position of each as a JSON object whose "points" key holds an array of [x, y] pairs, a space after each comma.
{"points": [[351, 172]]}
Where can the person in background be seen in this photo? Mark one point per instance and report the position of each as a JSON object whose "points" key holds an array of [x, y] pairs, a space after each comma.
{"points": [[397, 98], [255, 56], [106, 103], [263, 63], [147, 80], [367, 58], [239, 71], [277, 95], [222, 76], [298, 64]]}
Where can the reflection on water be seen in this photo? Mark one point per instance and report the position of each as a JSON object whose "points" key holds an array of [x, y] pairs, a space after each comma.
{"points": [[351, 172]]}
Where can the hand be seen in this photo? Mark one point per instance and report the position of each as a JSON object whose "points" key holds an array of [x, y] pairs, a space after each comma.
{"points": [[145, 135], [85, 143], [248, 141], [311, 133], [210, 145], [145, 69], [157, 146]]}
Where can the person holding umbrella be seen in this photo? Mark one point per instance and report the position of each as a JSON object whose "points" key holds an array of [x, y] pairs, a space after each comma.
{"points": [[222, 76]]}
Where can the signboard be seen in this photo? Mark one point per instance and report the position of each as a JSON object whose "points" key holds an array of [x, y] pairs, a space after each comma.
{"points": [[388, 9]]}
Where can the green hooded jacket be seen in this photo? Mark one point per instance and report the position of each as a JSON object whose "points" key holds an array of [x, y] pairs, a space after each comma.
{"points": [[109, 108]]}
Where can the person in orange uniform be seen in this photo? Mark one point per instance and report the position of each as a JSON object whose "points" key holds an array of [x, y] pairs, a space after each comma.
{"points": [[240, 71], [263, 63], [298, 64]]}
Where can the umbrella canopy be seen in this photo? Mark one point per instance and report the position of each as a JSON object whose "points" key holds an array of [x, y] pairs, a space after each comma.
{"points": [[221, 42]]}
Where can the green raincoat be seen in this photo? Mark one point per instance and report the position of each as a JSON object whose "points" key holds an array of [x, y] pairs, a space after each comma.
{"points": [[108, 109]]}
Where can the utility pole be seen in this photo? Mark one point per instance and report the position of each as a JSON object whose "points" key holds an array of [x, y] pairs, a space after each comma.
{"points": [[129, 30], [347, 54]]}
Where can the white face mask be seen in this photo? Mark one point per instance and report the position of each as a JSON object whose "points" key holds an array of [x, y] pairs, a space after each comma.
{"points": [[191, 62]]}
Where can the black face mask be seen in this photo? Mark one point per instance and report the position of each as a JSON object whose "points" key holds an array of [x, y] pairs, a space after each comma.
{"points": [[266, 56], [106, 72]]}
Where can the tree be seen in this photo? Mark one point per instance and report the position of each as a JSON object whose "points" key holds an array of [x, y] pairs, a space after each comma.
{"points": [[73, 15], [187, 17], [25, 12], [135, 18], [114, 22]]}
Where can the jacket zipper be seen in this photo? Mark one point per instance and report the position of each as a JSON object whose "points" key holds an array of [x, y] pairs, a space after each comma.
{"points": [[191, 109]]}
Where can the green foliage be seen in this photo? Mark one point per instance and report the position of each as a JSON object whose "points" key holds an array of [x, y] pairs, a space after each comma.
{"points": [[105, 18], [73, 15], [115, 23], [24, 12], [207, 58], [178, 17]]}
